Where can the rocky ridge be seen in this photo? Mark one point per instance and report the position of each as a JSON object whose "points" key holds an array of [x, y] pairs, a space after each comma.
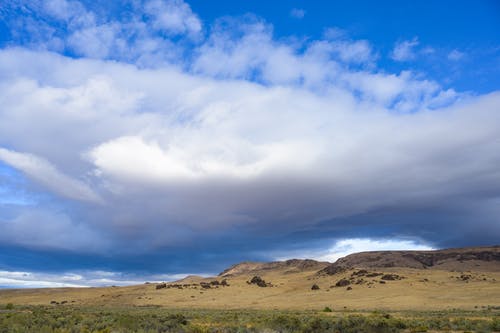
{"points": [[478, 258]]}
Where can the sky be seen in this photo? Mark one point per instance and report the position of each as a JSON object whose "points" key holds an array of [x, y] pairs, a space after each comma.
{"points": [[144, 140]]}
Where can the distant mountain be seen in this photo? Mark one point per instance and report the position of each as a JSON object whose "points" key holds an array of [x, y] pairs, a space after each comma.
{"points": [[460, 259], [288, 266], [457, 259]]}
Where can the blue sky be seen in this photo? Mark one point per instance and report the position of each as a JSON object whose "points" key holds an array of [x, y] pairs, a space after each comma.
{"points": [[143, 140]]}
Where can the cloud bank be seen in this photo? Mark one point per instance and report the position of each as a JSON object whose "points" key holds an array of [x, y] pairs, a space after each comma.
{"points": [[77, 280]]}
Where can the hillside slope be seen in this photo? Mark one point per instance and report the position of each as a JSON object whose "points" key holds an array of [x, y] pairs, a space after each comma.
{"points": [[286, 267]]}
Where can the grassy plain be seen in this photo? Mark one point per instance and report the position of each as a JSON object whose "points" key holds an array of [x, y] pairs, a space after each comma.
{"points": [[419, 290], [81, 319]]}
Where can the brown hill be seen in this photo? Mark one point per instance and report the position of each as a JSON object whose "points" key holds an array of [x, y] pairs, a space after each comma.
{"points": [[288, 266], [461, 259]]}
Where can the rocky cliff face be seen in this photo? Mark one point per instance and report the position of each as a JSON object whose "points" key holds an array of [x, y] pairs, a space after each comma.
{"points": [[479, 258]]}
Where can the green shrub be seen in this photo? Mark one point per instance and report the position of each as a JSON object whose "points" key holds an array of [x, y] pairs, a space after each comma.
{"points": [[495, 324], [285, 323], [419, 329]]}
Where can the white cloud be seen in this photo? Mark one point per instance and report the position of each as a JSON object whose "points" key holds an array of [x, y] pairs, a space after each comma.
{"points": [[346, 51], [78, 279], [334, 33], [95, 41], [404, 51], [49, 176], [64, 10], [119, 158], [345, 247], [297, 13], [248, 51], [455, 55], [173, 17], [143, 36], [402, 92], [9, 279], [228, 158], [348, 246], [234, 52]]}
